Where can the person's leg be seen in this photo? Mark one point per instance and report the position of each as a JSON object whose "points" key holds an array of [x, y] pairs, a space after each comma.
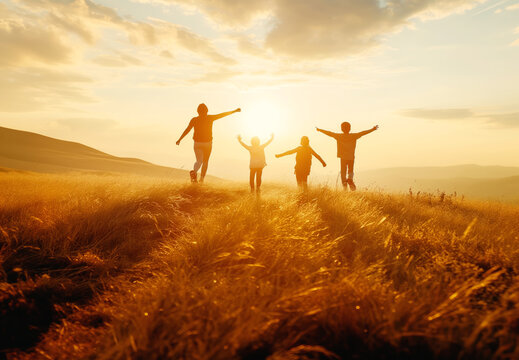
{"points": [[258, 178], [299, 179], [353, 187], [207, 154], [258, 181], [344, 165], [305, 183], [251, 179], [199, 154]]}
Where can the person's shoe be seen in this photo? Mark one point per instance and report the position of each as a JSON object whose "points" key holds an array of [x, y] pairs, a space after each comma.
{"points": [[201, 180], [192, 174], [353, 187], [345, 186]]}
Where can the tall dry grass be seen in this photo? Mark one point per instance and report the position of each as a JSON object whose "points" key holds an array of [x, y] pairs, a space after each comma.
{"points": [[212, 273]]}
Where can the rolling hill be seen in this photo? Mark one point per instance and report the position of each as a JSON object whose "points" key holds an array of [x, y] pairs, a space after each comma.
{"points": [[27, 151]]}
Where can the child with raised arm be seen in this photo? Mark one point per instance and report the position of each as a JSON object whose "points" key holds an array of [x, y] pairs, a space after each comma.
{"points": [[257, 160], [303, 162], [346, 143]]}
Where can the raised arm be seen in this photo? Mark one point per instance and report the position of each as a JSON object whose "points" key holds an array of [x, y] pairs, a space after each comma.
{"points": [[242, 143], [269, 141], [289, 152], [188, 129], [224, 114], [366, 132], [326, 132], [318, 158]]}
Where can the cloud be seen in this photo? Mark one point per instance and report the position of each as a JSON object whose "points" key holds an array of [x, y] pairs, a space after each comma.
{"points": [[117, 60], [35, 89], [22, 44], [166, 54], [228, 13], [503, 120], [516, 42], [42, 29], [318, 29], [199, 45], [438, 114], [216, 76], [513, 7]]}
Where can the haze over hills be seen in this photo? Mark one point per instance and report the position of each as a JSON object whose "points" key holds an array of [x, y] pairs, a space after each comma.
{"points": [[475, 181], [445, 172], [27, 151], [23, 150]]}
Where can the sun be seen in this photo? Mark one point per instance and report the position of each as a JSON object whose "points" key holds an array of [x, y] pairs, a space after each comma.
{"points": [[262, 119]]}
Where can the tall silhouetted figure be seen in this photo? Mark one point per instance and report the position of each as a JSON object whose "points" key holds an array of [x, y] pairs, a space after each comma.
{"points": [[346, 143], [257, 160], [303, 162], [203, 136]]}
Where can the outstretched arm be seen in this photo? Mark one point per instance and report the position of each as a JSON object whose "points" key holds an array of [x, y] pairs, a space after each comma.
{"points": [[188, 129], [318, 158], [326, 132], [224, 114], [366, 132], [242, 143], [289, 152], [268, 142]]}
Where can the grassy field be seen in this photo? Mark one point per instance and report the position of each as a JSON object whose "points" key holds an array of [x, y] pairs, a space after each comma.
{"points": [[105, 267]]}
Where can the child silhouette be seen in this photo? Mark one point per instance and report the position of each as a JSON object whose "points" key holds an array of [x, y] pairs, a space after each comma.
{"points": [[257, 160], [303, 162], [346, 143]]}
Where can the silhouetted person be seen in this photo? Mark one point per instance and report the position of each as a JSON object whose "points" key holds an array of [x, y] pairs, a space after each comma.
{"points": [[303, 161], [203, 136], [257, 160], [346, 143]]}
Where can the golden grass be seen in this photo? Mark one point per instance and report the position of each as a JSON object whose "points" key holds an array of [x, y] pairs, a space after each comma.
{"points": [[131, 268]]}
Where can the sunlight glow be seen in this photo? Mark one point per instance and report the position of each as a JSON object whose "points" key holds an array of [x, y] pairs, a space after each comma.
{"points": [[262, 119]]}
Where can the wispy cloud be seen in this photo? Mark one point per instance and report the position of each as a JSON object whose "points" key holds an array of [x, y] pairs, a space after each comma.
{"points": [[26, 44], [117, 60], [506, 120], [31, 89], [499, 120], [493, 6], [318, 29], [438, 114]]}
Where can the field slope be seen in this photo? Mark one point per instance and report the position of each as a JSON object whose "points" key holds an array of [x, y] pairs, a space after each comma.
{"points": [[22, 150], [112, 268]]}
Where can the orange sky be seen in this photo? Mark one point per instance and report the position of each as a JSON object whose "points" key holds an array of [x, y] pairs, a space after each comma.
{"points": [[439, 77]]}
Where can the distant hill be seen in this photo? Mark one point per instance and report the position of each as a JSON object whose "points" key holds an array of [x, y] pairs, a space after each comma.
{"points": [[447, 172], [482, 182], [27, 151]]}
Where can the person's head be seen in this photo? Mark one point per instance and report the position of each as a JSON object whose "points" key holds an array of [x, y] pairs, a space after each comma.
{"points": [[202, 109], [255, 141], [305, 141], [346, 127]]}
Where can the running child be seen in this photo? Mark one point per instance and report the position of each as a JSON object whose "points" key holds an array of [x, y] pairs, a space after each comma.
{"points": [[257, 160], [346, 143], [303, 162]]}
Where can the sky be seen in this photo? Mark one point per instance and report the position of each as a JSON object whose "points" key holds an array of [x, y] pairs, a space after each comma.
{"points": [[440, 78]]}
